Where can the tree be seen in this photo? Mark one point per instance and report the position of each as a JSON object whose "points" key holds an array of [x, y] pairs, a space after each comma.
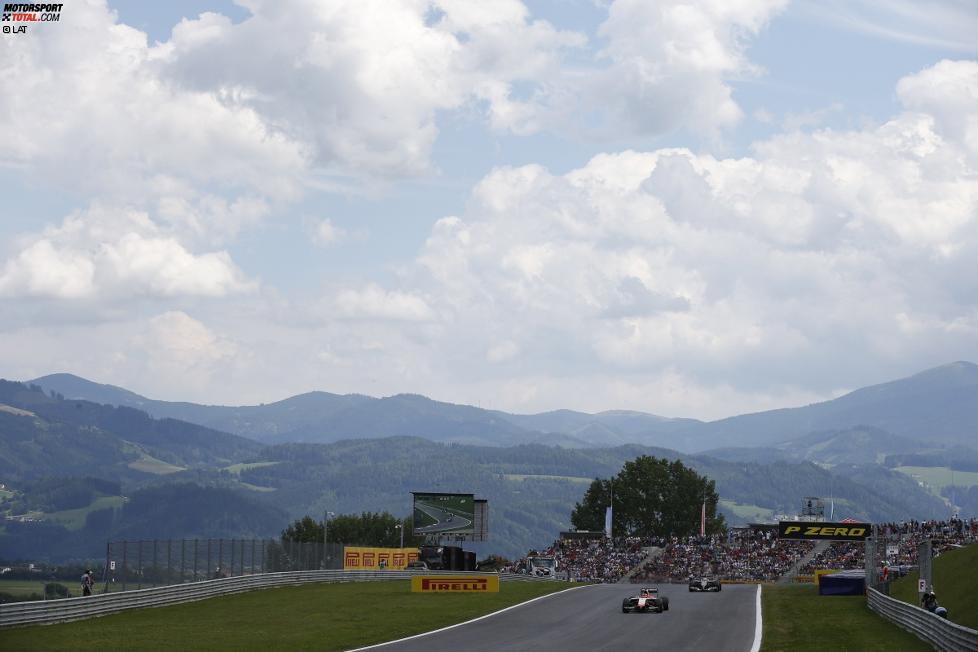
{"points": [[366, 529], [652, 497]]}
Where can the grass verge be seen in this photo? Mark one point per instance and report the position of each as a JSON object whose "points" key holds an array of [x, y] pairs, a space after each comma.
{"points": [[797, 618], [312, 617], [955, 575]]}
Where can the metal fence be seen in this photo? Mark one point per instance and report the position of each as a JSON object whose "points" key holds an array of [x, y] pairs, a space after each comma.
{"points": [[942, 634], [162, 562], [56, 611]]}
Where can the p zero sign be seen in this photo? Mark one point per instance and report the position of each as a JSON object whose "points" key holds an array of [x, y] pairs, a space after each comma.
{"points": [[454, 584], [824, 531]]}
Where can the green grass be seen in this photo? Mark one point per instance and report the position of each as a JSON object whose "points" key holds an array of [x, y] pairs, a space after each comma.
{"points": [[258, 488], [750, 513], [955, 575], [938, 477], [149, 464], [797, 618], [5, 493], [25, 587], [311, 617], [520, 477], [236, 469], [74, 519]]}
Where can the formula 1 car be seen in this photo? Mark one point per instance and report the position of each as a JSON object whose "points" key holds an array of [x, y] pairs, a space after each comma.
{"points": [[704, 584], [646, 600]]}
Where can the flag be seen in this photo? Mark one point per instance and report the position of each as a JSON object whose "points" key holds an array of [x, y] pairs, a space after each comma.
{"points": [[607, 522], [703, 520]]}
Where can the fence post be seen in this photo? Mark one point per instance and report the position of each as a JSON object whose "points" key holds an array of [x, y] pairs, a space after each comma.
{"points": [[195, 560], [139, 565], [232, 557], [125, 568], [108, 558], [183, 557], [169, 559], [207, 575], [156, 565], [220, 559], [263, 555]]}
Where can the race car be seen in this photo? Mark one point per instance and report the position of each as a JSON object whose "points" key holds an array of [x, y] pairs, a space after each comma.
{"points": [[704, 584], [646, 600]]}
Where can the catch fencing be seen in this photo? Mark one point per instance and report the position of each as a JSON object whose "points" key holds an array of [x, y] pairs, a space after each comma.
{"points": [[56, 611], [164, 562], [943, 634]]}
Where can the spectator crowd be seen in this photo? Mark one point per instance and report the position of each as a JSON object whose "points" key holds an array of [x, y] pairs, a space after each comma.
{"points": [[743, 554]]}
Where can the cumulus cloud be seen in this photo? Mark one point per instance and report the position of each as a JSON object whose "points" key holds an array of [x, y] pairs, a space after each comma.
{"points": [[115, 254], [373, 302]]}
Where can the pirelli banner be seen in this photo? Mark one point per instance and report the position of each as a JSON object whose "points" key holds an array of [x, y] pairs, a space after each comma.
{"points": [[824, 531], [454, 584], [357, 558]]}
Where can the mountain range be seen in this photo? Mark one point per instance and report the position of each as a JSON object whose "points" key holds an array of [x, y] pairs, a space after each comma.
{"points": [[245, 471], [934, 408]]}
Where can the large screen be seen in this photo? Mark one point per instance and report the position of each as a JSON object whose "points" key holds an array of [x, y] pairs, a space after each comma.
{"points": [[438, 513]]}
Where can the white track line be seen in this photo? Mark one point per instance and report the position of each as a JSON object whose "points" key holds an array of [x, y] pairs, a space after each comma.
{"points": [[444, 629], [758, 625]]}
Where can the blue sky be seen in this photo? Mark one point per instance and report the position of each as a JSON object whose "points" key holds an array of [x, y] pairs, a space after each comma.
{"points": [[687, 208]]}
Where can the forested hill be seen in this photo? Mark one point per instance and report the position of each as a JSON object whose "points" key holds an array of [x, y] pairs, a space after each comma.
{"points": [[42, 435], [532, 488]]}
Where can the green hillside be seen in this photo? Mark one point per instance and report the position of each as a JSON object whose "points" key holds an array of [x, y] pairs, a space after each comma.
{"points": [[955, 578]]}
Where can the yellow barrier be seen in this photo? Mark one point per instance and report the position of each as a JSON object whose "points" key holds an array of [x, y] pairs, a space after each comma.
{"points": [[357, 558], [454, 584], [823, 571]]}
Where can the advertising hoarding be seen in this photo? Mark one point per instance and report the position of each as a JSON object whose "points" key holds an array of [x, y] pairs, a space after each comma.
{"points": [[824, 531], [361, 558]]}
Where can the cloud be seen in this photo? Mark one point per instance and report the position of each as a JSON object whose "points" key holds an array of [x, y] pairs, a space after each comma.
{"points": [[373, 302], [946, 24], [326, 233], [112, 254]]}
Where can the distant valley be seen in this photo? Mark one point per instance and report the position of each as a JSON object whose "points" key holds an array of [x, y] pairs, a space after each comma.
{"points": [[160, 469]]}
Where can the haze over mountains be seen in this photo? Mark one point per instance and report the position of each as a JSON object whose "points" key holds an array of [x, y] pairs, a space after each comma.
{"points": [[937, 407], [186, 470]]}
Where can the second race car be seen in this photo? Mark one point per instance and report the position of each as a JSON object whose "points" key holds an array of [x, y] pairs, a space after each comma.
{"points": [[704, 584]]}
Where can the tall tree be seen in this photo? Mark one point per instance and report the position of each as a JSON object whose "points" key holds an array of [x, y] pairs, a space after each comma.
{"points": [[651, 497], [366, 529]]}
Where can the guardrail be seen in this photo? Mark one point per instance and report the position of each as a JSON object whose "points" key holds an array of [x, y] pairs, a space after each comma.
{"points": [[58, 611], [939, 632]]}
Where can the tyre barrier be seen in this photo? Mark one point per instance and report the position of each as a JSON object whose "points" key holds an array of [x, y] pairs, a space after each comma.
{"points": [[939, 632], [47, 612]]}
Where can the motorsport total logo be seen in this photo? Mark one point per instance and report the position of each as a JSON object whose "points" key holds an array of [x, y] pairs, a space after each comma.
{"points": [[22, 13]]}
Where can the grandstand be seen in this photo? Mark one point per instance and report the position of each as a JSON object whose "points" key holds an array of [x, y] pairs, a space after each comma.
{"points": [[753, 554]]}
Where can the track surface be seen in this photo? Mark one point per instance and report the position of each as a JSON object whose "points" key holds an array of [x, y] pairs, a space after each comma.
{"points": [[590, 618]]}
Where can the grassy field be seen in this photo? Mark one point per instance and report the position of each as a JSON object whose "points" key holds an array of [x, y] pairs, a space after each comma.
{"points": [[236, 469], [24, 587], [311, 617], [938, 477], [149, 464], [797, 618], [750, 513], [74, 519], [520, 477], [955, 575]]}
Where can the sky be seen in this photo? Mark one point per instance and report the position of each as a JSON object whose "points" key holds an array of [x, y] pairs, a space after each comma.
{"points": [[693, 209]]}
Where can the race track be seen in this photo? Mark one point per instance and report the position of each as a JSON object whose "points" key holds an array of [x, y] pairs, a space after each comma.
{"points": [[590, 618]]}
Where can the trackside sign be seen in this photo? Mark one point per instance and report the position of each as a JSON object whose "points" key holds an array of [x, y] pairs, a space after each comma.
{"points": [[824, 531], [454, 584]]}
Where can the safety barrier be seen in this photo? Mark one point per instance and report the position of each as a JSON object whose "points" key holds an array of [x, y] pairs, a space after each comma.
{"points": [[939, 632], [58, 611]]}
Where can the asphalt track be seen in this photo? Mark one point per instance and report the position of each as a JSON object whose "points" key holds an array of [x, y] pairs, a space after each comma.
{"points": [[442, 524], [590, 619]]}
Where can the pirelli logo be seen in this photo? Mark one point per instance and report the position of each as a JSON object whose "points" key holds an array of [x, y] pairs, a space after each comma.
{"points": [[826, 531], [454, 584]]}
